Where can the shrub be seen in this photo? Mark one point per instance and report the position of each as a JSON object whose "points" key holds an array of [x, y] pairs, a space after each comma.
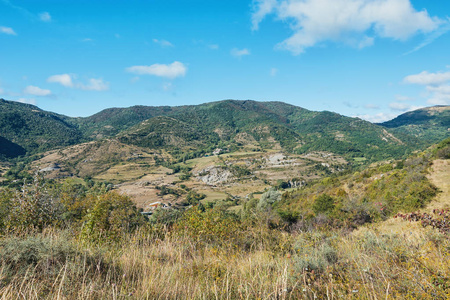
{"points": [[323, 204], [268, 198], [213, 227], [111, 217], [32, 208]]}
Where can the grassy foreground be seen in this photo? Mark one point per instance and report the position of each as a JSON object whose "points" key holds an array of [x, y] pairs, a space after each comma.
{"points": [[70, 241], [247, 263]]}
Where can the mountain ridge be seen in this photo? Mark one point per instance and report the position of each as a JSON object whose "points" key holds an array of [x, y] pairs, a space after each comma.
{"points": [[221, 124]]}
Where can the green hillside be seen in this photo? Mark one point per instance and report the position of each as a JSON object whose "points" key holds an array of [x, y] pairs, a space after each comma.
{"points": [[430, 124], [25, 127], [270, 124], [226, 124]]}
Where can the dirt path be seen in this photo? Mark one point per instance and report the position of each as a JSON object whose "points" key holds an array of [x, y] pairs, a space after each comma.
{"points": [[440, 177]]}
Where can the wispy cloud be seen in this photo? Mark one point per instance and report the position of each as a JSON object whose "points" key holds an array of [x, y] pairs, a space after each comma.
{"points": [[163, 43], [432, 37], [354, 22], [426, 78], [403, 98], [27, 100], [168, 86], [377, 118], [173, 70], [7, 30], [36, 91], [403, 107], [95, 84], [437, 85], [63, 79], [45, 17], [67, 80], [239, 52], [372, 106], [273, 72]]}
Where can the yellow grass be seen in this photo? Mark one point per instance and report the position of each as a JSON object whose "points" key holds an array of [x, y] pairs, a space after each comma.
{"points": [[440, 177]]}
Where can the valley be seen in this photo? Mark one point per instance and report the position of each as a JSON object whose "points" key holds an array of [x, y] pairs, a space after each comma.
{"points": [[231, 199], [225, 151]]}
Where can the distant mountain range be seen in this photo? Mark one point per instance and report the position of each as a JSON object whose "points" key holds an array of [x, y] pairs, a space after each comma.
{"points": [[26, 129]]}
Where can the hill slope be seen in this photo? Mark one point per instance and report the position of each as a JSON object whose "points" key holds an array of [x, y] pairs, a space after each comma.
{"points": [[27, 128], [269, 125], [430, 124]]}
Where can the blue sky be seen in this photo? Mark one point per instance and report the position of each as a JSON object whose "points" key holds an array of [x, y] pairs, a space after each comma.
{"points": [[373, 59]]}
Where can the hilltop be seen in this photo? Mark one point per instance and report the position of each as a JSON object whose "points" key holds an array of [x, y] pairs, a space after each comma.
{"points": [[430, 124], [231, 124], [25, 128]]}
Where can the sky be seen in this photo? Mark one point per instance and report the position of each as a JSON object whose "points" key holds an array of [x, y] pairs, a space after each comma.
{"points": [[372, 59]]}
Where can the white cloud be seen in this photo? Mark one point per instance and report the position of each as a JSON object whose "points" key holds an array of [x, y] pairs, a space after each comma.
{"points": [[317, 21], [437, 84], [67, 81], [273, 72], [36, 91], [431, 38], [63, 79], [399, 106], [261, 9], [94, 85], [7, 30], [425, 78], [366, 42], [442, 89], [239, 53], [377, 118], [173, 70], [440, 96], [213, 47], [27, 100], [402, 106], [45, 17], [163, 43]]}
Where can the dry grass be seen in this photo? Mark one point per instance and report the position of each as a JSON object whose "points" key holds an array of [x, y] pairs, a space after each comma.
{"points": [[370, 265], [440, 177]]}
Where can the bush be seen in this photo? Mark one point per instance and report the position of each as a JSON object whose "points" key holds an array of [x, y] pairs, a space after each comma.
{"points": [[32, 208], [268, 198], [323, 204], [111, 217], [213, 227]]}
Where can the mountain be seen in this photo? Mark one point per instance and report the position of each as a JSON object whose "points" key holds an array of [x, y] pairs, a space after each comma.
{"points": [[430, 124], [230, 124], [268, 124], [26, 128], [111, 121]]}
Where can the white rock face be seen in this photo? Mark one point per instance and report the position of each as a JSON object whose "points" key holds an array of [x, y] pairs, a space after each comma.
{"points": [[214, 175]]}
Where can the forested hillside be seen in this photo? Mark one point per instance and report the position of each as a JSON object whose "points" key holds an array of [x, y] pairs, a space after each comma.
{"points": [[25, 127]]}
